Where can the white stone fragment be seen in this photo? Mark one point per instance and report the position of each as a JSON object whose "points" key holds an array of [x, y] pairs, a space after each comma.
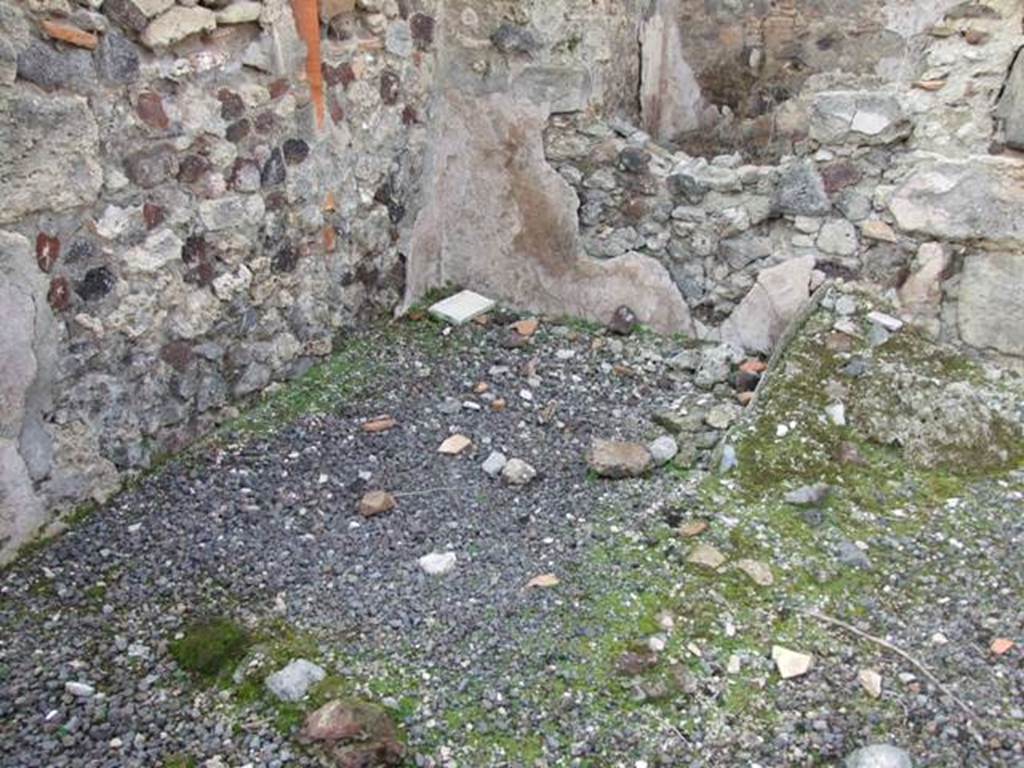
{"points": [[462, 307], [494, 463], [81, 690], [240, 12], [437, 563], [888, 322], [518, 472], [177, 24], [871, 681], [791, 663], [836, 413], [663, 450]]}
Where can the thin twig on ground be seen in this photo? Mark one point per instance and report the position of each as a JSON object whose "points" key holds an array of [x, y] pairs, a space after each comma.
{"points": [[972, 718], [670, 728]]}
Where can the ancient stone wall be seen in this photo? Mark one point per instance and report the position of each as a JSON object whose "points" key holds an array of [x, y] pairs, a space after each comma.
{"points": [[906, 184], [198, 198], [752, 57]]}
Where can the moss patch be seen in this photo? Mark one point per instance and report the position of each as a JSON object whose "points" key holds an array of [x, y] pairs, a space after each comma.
{"points": [[210, 647]]}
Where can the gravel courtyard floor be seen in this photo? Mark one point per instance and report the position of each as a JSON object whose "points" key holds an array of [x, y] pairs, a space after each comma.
{"points": [[637, 656]]}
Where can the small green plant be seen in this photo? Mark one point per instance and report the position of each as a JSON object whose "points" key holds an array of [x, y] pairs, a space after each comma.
{"points": [[210, 647]]}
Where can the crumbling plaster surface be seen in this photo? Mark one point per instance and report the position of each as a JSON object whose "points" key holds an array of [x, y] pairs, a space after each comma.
{"points": [[501, 220]]}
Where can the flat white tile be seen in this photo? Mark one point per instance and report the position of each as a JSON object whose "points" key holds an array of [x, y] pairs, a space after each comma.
{"points": [[462, 307]]}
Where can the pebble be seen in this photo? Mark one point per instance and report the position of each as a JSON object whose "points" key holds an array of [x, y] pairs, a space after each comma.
{"points": [[851, 555], [616, 460], [878, 336], [494, 463], [294, 681], [438, 563], [836, 413], [376, 503], [807, 495], [846, 305], [721, 417], [871, 681], [454, 445], [81, 690], [518, 472], [888, 322], [707, 556], [791, 663], [663, 450], [729, 460], [760, 573]]}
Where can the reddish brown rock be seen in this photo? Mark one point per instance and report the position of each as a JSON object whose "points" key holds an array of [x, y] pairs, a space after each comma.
{"points": [[279, 88], [47, 251], [150, 109], [237, 131], [59, 295], [265, 122], [840, 175], [422, 27], [335, 108], [231, 105], [343, 75], [193, 168], [177, 354], [356, 734], [526, 327], [379, 424], [153, 215]]}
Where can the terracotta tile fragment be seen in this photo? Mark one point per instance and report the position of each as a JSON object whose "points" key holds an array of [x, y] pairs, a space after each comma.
{"points": [[70, 34]]}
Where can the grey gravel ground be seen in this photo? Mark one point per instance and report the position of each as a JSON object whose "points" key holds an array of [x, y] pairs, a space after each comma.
{"points": [[478, 669]]}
